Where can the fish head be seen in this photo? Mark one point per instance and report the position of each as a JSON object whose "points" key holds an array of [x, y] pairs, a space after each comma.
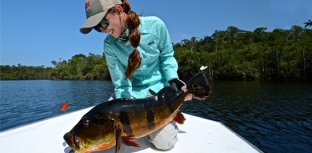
{"points": [[92, 134]]}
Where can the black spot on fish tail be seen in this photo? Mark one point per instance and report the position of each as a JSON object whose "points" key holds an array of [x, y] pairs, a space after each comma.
{"points": [[150, 119], [125, 121], [198, 79]]}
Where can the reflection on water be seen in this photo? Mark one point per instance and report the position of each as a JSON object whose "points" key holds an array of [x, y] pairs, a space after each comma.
{"points": [[275, 117]]}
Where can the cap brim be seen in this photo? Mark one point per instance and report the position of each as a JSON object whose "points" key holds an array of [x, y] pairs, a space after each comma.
{"points": [[92, 22]]}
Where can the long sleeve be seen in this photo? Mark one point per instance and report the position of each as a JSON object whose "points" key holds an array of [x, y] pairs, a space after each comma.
{"points": [[158, 64], [123, 87], [168, 63]]}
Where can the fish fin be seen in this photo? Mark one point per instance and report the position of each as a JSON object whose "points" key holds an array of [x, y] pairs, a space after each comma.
{"points": [[99, 148], [64, 106], [198, 85], [179, 118], [128, 141], [118, 139]]}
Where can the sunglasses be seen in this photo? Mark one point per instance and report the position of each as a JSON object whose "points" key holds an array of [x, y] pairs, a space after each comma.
{"points": [[103, 24]]}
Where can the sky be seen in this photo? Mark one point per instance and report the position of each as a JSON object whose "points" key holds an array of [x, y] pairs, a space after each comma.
{"points": [[36, 32]]}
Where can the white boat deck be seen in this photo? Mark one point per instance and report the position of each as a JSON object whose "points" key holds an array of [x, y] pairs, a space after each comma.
{"points": [[197, 135]]}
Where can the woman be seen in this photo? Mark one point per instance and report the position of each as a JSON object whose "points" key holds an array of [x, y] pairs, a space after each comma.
{"points": [[139, 54]]}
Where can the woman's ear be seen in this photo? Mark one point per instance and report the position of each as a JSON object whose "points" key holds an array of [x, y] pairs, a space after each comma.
{"points": [[118, 9]]}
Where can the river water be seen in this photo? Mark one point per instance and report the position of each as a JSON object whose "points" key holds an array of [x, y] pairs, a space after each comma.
{"points": [[273, 116]]}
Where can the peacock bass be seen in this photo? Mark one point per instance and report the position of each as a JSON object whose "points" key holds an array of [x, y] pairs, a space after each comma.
{"points": [[123, 120]]}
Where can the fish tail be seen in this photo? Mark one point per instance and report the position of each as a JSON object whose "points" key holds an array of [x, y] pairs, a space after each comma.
{"points": [[198, 86]]}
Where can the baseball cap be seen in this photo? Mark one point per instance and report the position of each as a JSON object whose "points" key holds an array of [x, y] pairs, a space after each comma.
{"points": [[95, 11]]}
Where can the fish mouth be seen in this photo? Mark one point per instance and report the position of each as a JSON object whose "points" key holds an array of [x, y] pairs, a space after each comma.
{"points": [[72, 140]]}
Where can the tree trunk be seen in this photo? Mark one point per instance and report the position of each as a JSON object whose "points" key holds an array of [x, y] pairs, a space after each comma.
{"points": [[304, 65], [277, 62]]}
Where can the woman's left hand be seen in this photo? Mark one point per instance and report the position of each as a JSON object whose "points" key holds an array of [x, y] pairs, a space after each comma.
{"points": [[178, 83], [181, 85]]}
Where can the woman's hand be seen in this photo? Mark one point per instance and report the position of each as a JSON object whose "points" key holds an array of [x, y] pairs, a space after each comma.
{"points": [[181, 86], [189, 96], [178, 83]]}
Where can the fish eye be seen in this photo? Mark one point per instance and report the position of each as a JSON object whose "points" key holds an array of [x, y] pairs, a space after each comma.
{"points": [[85, 123]]}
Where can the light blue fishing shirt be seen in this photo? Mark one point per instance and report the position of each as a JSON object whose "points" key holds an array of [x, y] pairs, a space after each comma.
{"points": [[158, 64]]}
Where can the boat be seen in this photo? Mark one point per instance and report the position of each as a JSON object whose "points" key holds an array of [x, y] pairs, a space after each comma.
{"points": [[196, 135]]}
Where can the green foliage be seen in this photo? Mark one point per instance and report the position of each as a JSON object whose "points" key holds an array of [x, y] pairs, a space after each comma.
{"points": [[235, 54], [231, 54], [79, 67]]}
